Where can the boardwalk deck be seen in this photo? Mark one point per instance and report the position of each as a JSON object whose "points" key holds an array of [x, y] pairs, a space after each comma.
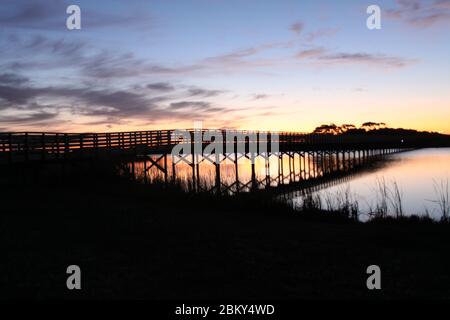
{"points": [[19, 147], [301, 159]]}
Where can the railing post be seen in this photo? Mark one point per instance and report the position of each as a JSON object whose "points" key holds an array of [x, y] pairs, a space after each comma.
{"points": [[43, 146], [95, 140], [57, 146], [10, 148], [26, 147], [81, 145], [66, 146]]}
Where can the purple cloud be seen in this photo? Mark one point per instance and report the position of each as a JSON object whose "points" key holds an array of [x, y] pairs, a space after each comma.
{"points": [[421, 14], [297, 27], [323, 56]]}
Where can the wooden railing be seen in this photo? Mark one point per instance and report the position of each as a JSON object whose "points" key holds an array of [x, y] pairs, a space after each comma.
{"points": [[27, 146], [32, 144]]}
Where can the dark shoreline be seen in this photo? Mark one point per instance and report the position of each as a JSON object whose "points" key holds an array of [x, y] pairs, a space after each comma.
{"points": [[136, 241]]}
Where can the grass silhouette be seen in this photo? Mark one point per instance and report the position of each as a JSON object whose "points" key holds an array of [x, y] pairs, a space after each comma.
{"points": [[157, 241]]}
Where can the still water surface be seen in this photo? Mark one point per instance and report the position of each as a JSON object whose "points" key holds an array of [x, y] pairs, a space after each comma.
{"points": [[421, 176], [415, 174]]}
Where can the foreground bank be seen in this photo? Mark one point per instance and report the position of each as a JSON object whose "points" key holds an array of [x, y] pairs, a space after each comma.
{"points": [[135, 241]]}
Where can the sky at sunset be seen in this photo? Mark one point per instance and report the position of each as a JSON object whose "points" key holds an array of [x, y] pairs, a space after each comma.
{"points": [[278, 65]]}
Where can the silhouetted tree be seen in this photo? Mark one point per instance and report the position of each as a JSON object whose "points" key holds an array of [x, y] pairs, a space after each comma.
{"points": [[328, 129], [373, 125], [347, 127]]}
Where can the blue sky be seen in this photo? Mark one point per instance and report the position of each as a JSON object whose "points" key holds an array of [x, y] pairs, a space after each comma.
{"points": [[282, 65]]}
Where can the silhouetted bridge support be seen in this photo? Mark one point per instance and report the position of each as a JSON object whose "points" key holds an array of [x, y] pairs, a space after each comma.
{"points": [[298, 156]]}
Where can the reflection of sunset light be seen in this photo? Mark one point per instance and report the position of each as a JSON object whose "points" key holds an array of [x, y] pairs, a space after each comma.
{"points": [[306, 167], [415, 173]]}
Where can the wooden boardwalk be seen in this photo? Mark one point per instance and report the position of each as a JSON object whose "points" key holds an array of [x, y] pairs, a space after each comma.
{"points": [[301, 160], [20, 147]]}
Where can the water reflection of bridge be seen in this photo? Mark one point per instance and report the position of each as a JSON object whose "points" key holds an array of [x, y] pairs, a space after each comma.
{"points": [[240, 165], [299, 190], [283, 171]]}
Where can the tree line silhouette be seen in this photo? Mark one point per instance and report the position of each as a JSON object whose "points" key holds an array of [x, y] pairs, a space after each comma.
{"points": [[370, 127]]}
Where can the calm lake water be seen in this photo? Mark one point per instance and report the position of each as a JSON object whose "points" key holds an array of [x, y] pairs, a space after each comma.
{"points": [[414, 174], [420, 175]]}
